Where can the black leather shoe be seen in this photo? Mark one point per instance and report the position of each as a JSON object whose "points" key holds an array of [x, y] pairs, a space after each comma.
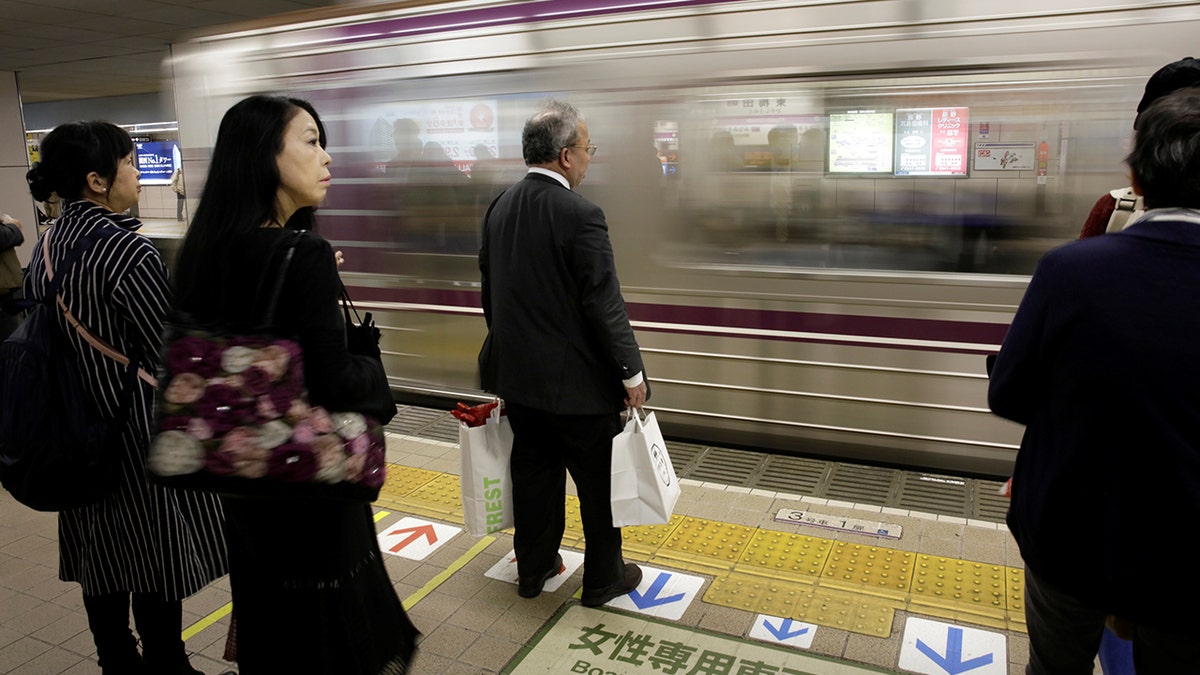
{"points": [[594, 597], [530, 588]]}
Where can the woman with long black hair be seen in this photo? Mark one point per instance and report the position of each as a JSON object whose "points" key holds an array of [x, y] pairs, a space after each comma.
{"points": [[310, 590]]}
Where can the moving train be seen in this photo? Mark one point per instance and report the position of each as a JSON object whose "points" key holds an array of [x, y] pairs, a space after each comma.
{"points": [[824, 212]]}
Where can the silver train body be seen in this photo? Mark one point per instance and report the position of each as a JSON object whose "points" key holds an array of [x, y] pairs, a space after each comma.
{"points": [[793, 286]]}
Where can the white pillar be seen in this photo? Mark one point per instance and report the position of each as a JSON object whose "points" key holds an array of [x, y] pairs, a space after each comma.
{"points": [[14, 163]]}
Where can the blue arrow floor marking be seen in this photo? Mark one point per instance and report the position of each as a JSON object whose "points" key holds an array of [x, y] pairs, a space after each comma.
{"points": [[784, 631], [952, 662], [651, 599]]}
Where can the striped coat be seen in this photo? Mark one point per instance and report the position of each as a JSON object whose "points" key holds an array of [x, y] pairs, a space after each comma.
{"points": [[143, 538]]}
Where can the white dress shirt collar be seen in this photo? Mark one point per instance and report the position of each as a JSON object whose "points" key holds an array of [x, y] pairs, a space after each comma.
{"points": [[547, 172]]}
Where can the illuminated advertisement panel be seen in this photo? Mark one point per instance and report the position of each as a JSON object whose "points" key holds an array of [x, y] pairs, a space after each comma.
{"points": [[156, 160], [860, 141], [931, 142]]}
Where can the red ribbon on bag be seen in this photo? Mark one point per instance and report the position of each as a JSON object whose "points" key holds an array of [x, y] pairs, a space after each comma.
{"points": [[474, 416]]}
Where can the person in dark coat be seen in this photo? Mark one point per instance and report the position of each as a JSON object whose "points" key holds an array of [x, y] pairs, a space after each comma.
{"points": [[310, 591], [11, 277], [561, 353], [144, 544], [1100, 365]]}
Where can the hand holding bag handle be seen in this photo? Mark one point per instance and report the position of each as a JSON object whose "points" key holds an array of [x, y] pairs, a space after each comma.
{"points": [[644, 485], [362, 335]]}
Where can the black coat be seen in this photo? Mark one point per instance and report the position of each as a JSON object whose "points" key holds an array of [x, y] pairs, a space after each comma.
{"points": [[559, 337], [1101, 364]]}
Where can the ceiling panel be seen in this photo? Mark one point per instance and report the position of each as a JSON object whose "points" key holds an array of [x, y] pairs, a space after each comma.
{"points": [[73, 49]]}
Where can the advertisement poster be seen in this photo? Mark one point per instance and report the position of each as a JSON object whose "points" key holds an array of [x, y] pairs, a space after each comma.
{"points": [[461, 131], [1005, 156], [931, 142], [156, 160], [860, 141]]}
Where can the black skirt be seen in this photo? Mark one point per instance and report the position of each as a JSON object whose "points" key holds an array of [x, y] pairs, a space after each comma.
{"points": [[310, 590]]}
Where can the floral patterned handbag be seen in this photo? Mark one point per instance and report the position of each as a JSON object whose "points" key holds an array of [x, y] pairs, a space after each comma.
{"points": [[233, 418]]}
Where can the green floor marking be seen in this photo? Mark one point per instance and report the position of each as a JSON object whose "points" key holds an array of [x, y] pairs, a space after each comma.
{"points": [[579, 639]]}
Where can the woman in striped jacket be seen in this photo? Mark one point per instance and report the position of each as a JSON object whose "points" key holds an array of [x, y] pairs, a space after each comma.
{"points": [[142, 544]]}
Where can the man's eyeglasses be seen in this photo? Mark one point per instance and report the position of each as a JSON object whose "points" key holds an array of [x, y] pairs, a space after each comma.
{"points": [[590, 147]]}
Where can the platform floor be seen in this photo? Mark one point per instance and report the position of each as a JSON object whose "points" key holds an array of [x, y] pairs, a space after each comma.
{"points": [[742, 581]]}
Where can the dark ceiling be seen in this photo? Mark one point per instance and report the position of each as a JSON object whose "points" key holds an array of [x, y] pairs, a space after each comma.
{"points": [[77, 49]]}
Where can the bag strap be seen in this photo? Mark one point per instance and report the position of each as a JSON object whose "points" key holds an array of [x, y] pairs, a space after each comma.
{"points": [[1128, 206], [269, 316], [54, 290], [348, 307]]}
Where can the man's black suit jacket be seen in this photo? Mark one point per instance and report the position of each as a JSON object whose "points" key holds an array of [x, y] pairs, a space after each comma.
{"points": [[559, 337]]}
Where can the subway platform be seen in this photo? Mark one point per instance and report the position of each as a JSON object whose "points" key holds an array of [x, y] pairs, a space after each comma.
{"points": [[792, 578]]}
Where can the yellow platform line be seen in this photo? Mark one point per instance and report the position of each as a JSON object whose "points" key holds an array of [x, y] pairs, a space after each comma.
{"points": [[192, 630], [223, 611], [446, 573]]}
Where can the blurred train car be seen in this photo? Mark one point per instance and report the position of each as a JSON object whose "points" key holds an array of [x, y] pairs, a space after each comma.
{"points": [[824, 212]]}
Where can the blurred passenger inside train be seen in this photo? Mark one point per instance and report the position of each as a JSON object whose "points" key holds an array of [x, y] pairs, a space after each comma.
{"points": [[1118, 208], [561, 353], [406, 138], [144, 544], [310, 591], [12, 278], [1101, 364], [486, 174], [443, 195]]}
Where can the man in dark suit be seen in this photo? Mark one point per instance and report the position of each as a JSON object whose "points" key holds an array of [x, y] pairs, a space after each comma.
{"points": [[1101, 365], [560, 352]]}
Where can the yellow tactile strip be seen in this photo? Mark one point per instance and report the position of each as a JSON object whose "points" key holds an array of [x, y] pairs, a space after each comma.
{"points": [[854, 587], [804, 602], [869, 569], [706, 546], [783, 554]]}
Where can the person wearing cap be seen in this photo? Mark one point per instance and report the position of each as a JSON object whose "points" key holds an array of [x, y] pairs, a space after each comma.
{"points": [[1100, 364], [1176, 75]]}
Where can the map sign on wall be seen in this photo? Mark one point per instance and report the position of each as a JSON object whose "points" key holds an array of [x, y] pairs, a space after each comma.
{"points": [[1005, 156], [931, 142]]}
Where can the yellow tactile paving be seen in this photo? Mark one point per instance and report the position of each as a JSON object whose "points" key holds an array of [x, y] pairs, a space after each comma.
{"points": [[402, 481], [803, 602], [855, 587], [439, 498], [573, 533], [641, 542], [869, 569], [783, 554], [1016, 598], [960, 586], [705, 545]]}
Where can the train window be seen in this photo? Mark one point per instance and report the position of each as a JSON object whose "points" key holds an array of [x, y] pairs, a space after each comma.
{"points": [[851, 174]]}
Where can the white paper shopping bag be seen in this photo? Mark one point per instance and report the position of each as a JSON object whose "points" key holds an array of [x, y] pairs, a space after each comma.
{"points": [[486, 480], [644, 485]]}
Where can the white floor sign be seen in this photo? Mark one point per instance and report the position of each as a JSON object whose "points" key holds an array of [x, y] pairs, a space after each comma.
{"points": [[936, 648], [415, 539]]}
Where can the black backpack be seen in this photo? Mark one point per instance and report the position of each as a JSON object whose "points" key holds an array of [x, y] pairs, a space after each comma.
{"points": [[56, 449]]}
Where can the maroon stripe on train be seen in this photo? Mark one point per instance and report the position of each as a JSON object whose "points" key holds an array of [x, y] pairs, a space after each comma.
{"points": [[728, 321], [525, 12]]}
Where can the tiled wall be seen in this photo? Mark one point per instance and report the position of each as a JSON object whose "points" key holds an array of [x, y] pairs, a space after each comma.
{"points": [[158, 201]]}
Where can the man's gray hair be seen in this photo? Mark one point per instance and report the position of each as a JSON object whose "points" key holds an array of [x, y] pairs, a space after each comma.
{"points": [[550, 130]]}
